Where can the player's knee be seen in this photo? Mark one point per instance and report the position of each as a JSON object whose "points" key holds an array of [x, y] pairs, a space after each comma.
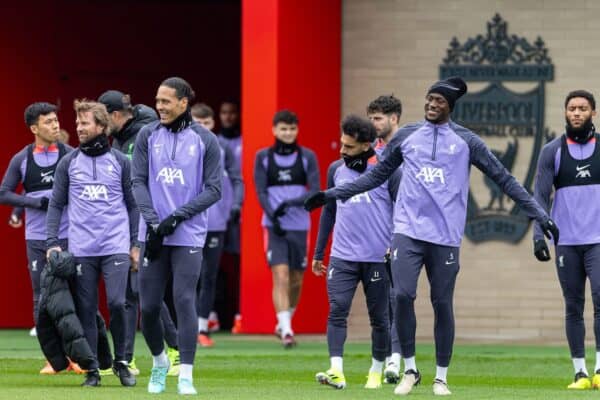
{"points": [[295, 283], [339, 321], [574, 307], [403, 298], [116, 304], [86, 307], [151, 310], [184, 300], [442, 304], [339, 310], [379, 321], [281, 281]]}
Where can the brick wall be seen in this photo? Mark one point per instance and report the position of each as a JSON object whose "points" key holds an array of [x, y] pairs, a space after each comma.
{"points": [[502, 293]]}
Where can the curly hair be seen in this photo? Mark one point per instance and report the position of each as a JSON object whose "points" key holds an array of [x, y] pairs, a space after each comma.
{"points": [[359, 128], [387, 105], [581, 93]]}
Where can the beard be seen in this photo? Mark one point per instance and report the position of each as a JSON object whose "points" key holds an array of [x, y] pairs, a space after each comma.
{"points": [[385, 132], [582, 133]]}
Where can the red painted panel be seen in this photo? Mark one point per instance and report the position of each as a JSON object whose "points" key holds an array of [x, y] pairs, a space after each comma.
{"points": [[305, 45], [259, 100]]}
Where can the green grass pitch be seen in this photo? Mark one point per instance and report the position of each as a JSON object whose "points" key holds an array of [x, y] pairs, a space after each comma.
{"points": [[248, 367]]}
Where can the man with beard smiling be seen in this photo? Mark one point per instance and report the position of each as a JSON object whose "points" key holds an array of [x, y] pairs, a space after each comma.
{"points": [[357, 255], [571, 164], [429, 217], [94, 184], [284, 175], [176, 178], [125, 121]]}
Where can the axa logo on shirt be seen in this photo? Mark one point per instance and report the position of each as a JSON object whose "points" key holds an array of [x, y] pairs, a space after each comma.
{"points": [[430, 174], [285, 175], [94, 192], [169, 175], [583, 172]]}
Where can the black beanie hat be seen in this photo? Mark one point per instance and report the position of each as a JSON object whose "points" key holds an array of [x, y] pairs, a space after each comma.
{"points": [[452, 89]]}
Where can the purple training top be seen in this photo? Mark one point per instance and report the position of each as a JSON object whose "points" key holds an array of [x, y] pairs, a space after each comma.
{"points": [[362, 225], [574, 208], [270, 197], [435, 161], [96, 192], [35, 218], [177, 173], [232, 190]]}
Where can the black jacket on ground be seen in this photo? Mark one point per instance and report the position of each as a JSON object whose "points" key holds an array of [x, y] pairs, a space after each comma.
{"points": [[59, 331]]}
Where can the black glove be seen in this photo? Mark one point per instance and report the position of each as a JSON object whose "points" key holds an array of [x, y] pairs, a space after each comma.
{"points": [[277, 228], [550, 230], [153, 243], [315, 201], [234, 216], [280, 210], [168, 225], [540, 250], [44, 201]]}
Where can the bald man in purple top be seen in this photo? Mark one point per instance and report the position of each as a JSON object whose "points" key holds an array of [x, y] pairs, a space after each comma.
{"points": [[362, 232], [284, 175], [429, 217], [571, 165]]}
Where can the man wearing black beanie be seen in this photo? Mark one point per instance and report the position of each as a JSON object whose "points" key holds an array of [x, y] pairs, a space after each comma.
{"points": [[451, 89], [429, 217]]}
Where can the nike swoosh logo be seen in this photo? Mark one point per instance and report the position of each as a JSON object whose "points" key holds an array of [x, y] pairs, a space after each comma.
{"points": [[194, 251], [578, 168], [445, 85], [375, 280], [450, 263], [119, 263], [46, 173]]}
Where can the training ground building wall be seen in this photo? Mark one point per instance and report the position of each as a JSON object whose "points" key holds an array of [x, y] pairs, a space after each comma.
{"points": [[503, 294]]}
